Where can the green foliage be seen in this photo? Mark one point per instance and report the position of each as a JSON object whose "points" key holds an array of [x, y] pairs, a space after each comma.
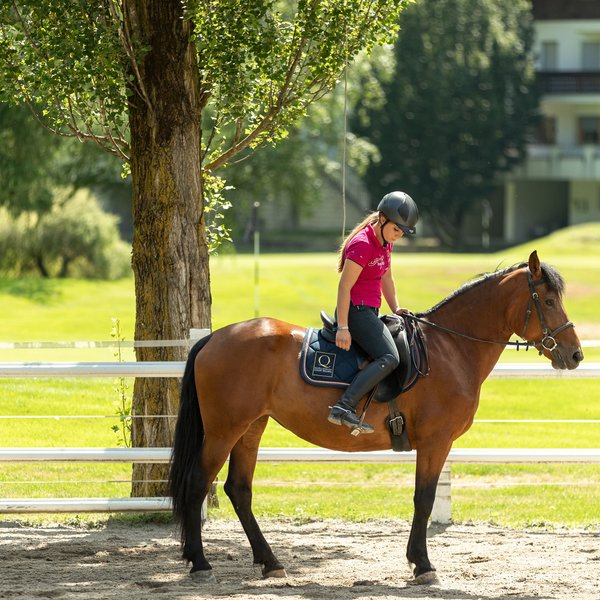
{"points": [[10, 243], [64, 60], [121, 387], [76, 238], [36, 165], [214, 211], [27, 177], [261, 64], [79, 236], [294, 176], [264, 62], [459, 108]]}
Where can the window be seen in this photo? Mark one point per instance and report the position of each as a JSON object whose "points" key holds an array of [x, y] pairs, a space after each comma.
{"points": [[549, 57], [546, 131], [589, 130], [590, 56]]}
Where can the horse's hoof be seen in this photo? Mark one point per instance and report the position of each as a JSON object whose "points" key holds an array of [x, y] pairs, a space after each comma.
{"points": [[428, 578], [206, 576], [279, 573]]}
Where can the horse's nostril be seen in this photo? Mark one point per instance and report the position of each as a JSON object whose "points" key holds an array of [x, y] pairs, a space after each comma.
{"points": [[578, 356]]}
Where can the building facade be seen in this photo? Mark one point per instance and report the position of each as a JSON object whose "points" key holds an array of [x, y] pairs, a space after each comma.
{"points": [[559, 183]]}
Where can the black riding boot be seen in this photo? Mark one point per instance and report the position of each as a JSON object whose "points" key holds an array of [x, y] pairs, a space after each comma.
{"points": [[344, 410]]}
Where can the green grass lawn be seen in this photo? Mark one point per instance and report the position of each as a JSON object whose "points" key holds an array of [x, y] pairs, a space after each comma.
{"points": [[295, 288], [291, 287]]}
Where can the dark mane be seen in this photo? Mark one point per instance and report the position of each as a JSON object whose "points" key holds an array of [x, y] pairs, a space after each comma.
{"points": [[551, 276]]}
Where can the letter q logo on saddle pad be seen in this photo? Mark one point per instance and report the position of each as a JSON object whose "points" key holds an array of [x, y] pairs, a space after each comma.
{"points": [[324, 364]]}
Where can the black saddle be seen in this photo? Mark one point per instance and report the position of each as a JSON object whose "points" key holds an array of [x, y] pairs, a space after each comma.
{"points": [[323, 363]]}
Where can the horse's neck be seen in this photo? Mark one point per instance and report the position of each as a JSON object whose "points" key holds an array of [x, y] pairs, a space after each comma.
{"points": [[479, 313]]}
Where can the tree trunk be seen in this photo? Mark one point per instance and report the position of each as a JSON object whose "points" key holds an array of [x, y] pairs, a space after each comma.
{"points": [[170, 253], [39, 261], [64, 267], [447, 225]]}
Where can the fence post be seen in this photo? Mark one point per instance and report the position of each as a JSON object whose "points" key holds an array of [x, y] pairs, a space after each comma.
{"points": [[442, 511], [195, 335]]}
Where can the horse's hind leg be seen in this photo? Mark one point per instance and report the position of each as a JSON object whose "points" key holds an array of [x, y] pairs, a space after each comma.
{"points": [[238, 488], [212, 457]]}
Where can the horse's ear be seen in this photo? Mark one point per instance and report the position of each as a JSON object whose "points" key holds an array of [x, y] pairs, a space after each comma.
{"points": [[534, 265]]}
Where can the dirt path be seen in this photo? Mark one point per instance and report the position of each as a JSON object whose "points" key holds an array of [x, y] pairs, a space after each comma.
{"points": [[326, 560]]}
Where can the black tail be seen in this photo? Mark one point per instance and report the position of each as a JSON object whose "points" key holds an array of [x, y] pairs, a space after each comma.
{"points": [[189, 435]]}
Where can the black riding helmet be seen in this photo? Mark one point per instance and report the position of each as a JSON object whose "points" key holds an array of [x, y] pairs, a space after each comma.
{"points": [[400, 209]]}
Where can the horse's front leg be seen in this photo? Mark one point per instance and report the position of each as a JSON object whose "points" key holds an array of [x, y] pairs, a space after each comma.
{"points": [[238, 488], [429, 466]]}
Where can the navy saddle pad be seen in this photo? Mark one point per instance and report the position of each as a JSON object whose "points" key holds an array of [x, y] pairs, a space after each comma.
{"points": [[323, 363]]}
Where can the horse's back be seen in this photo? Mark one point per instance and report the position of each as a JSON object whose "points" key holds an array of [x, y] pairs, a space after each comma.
{"points": [[264, 333], [253, 352]]}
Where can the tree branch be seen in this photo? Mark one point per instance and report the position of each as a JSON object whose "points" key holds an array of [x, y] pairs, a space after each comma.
{"points": [[26, 30], [267, 121], [128, 46], [108, 144], [263, 126], [216, 124]]}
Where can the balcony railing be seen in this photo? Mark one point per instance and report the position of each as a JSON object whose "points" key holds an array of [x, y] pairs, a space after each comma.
{"points": [[560, 162], [569, 82]]}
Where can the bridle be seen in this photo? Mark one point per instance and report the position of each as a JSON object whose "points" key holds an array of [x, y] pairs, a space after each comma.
{"points": [[548, 341]]}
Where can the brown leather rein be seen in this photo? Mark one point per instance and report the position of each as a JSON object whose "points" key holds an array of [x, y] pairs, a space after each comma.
{"points": [[548, 341]]}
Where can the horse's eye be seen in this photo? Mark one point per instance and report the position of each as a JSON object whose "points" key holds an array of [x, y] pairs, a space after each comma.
{"points": [[549, 302]]}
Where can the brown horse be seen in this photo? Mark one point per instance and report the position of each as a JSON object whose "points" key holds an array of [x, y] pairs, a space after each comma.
{"points": [[245, 373]]}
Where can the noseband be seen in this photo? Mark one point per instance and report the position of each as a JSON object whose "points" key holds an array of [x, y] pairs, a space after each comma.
{"points": [[548, 341]]}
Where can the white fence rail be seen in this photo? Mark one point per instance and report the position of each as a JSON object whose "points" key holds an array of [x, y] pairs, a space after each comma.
{"points": [[442, 508], [309, 455], [506, 370], [195, 334]]}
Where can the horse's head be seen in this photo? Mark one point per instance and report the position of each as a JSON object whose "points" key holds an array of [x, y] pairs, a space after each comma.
{"points": [[545, 322]]}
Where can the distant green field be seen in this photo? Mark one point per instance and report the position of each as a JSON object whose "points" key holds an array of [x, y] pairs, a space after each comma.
{"points": [[292, 287], [295, 288]]}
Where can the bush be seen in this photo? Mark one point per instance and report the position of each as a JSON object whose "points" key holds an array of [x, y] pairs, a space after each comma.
{"points": [[12, 254], [76, 238]]}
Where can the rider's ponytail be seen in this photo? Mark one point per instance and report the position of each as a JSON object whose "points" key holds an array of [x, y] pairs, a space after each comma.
{"points": [[370, 219]]}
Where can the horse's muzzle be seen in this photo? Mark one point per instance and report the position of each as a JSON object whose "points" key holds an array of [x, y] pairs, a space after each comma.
{"points": [[566, 357]]}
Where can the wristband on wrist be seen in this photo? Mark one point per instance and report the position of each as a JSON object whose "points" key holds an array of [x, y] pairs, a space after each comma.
{"points": [[343, 328]]}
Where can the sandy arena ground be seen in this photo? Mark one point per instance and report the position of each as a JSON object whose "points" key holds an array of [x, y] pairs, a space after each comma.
{"points": [[325, 560]]}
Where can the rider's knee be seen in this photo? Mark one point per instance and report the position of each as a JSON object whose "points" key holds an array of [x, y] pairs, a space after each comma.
{"points": [[388, 362]]}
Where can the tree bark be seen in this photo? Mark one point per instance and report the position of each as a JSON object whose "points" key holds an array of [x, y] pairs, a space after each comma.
{"points": [[39, 261], [170, 253]]}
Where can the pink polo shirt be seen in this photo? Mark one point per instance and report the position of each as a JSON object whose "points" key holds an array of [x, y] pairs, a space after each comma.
{"points": [[364, 249]]}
